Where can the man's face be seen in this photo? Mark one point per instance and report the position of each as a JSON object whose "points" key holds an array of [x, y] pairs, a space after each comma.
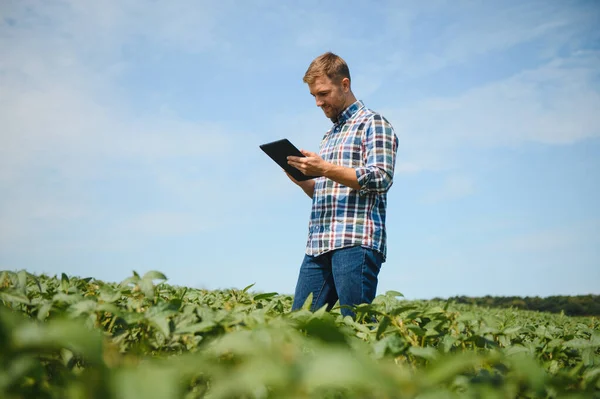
{"points": [[330, 97]]}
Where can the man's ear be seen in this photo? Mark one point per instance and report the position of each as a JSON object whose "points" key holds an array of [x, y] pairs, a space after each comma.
{"points": [[346, 84]]}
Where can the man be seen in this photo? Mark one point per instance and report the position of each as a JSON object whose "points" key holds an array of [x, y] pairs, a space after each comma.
{"points": [[346, 243]]}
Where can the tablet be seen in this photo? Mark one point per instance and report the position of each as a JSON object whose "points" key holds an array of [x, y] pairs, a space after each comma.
{"points": [[279, 150]]}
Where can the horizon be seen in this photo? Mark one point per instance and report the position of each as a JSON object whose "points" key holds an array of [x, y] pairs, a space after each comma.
{"points": [[251, 286], [131, 138]]}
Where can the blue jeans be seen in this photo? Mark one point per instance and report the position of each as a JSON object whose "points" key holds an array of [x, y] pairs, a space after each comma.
{"points": [[348, 274]]}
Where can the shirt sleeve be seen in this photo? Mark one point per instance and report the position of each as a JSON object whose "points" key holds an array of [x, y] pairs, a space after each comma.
{"points": [[379, 145]]}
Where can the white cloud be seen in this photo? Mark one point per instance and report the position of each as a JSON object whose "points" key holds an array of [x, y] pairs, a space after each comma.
{"points": [[461, 32], [186, 25], [494, 28], [554, 104], [68, 126]]}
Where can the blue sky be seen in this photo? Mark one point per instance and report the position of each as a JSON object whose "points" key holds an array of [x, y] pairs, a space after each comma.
{"points": [[130, 134]]}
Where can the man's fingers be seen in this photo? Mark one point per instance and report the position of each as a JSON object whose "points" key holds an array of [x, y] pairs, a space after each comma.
{"points": [[295, 161], [298, 165], [307, 153]]}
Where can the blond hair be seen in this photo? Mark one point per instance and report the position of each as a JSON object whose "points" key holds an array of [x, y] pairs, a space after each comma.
{"points": [[328, 64]]}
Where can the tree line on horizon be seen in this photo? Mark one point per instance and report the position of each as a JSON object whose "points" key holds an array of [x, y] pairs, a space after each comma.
{"points": [[577, 305]]}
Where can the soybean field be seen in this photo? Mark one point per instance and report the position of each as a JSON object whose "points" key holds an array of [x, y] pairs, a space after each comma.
{"points": [[71, 337]]}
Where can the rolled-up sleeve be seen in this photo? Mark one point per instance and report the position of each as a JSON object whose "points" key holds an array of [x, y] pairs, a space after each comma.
{"points": [[379, 145]]}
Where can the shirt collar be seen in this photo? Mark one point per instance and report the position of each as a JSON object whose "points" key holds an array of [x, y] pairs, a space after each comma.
{"points": [[348, 112]]}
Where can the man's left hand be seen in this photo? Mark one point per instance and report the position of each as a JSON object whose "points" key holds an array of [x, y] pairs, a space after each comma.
{"points": [[311, 164]]}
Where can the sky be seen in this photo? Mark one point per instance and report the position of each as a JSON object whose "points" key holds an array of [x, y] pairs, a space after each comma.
{"points": [[130, 135]]}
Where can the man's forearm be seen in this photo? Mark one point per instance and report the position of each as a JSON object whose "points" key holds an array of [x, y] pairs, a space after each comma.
{"points": [[343, 175]]}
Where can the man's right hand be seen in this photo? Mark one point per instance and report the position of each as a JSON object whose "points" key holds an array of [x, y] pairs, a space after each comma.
{"points": [[308, 186]]}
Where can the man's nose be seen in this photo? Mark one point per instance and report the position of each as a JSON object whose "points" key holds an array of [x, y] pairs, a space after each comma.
{"points": [[319, 103]]}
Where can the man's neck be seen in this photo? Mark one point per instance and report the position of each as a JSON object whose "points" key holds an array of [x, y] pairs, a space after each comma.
{"points": [[349, 101]]}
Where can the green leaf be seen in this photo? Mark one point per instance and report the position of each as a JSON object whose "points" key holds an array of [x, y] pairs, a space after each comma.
{"points": [[448, 342], [154, 275], [401, 309], [504, 341], [417, 330], [36, 281], [66, 298], [324, 329], [265, 296], [391, 344], [44, 311], [22, 277], [161, 323], [511, 330], [64, 283], [175, 303], [107, 294], [436, 310], [147, 288], [83, 307], [133, 318], [308, 302], [480, 341], [130, 280], [198, 327], [248, 287], [579, 343], [427, 353], [433, 328], [394, 294], [383, 325], [588, 357], [14, 297], [321, 312]]}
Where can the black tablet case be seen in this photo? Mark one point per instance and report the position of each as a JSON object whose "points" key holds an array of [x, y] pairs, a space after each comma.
{"points": [[279, 150]]}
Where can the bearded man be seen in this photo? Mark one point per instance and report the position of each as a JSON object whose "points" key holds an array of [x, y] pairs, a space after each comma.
{"points": [[346, 243]]}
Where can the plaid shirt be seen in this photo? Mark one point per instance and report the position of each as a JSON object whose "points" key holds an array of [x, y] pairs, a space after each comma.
{"points": [[342, 216]]}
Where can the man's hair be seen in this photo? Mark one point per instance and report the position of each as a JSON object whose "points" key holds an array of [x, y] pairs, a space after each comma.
{"points": [[328, 64]]}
